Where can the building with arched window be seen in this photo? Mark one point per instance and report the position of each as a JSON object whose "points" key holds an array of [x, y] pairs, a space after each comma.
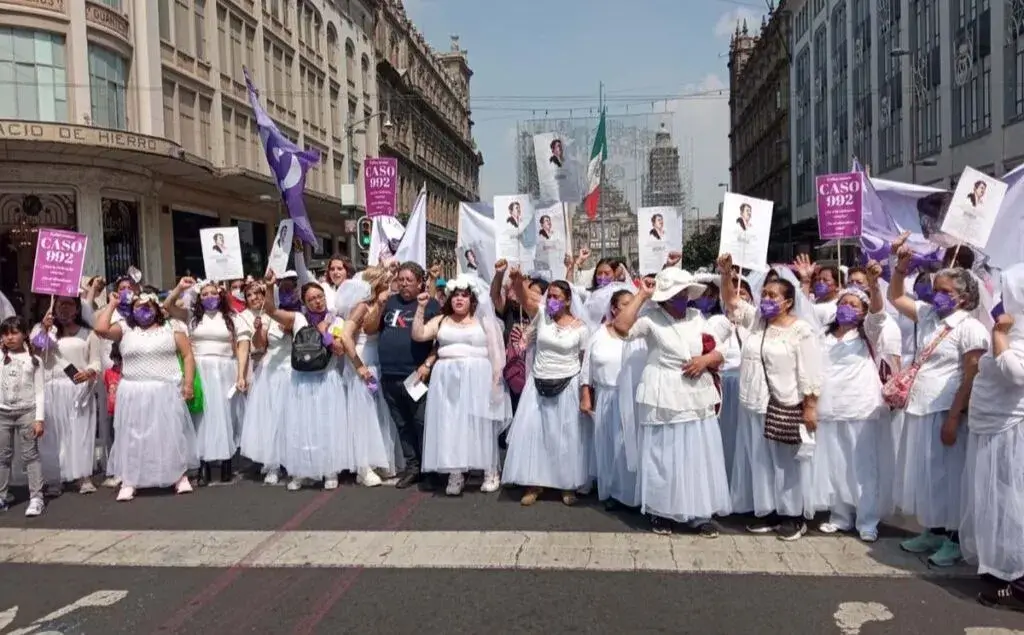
{"points": [[129, 121]]}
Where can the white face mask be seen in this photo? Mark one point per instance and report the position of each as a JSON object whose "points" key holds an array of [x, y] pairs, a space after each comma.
{"points": [[238, 294]]}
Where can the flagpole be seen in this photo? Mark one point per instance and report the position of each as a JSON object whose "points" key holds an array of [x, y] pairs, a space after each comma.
{"points": [[601, 220]]}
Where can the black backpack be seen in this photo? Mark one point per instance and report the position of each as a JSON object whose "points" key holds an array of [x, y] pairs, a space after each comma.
{"points": [[308, 351]]}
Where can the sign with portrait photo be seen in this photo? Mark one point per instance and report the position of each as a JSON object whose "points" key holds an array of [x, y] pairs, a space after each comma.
{"points": [[659, 230], [972, 211], [474, 243], [222, 253], [558, 172], [746, 229], [278, 261], [551, 244], [514, 234]]}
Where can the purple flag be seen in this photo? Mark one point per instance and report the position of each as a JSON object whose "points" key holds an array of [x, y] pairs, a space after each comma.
{"points": [[288, 164]]}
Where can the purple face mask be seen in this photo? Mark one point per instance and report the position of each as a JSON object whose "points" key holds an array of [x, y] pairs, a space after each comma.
{"points": [[704, 304], [211, 303], [554, 307], [944, 303], [144, 315], [603, 281], [821, 290], [846, 315], [770, 309], [124, 303]]}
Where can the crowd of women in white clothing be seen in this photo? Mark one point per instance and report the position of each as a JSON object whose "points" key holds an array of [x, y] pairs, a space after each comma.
{"points": [[781, 394]]}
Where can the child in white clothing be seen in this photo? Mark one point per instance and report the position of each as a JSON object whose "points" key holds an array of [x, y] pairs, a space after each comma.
{"points": [[21, 412]]}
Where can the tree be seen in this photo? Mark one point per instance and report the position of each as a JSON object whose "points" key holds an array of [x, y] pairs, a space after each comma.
{"points": [[701, 248]]}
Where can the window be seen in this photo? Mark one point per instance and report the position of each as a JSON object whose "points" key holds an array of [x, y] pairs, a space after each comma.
{"points": [[819, 146], [230, 152], [223, 46], [332, 46], [169, 118], [199, 15], [971, 40], [183, 26], [234, 69], [890, 89], [187, 118], [288, 96], [33, 72], [336, 126], [188, 252], [1013, 53], [339, 175], [925, 78], [163, 10], [113, 4], [242, 145], [804, 182], [205, 126], [366, 74], [350, 62], [252, 238], [108, 80], [120, 236], [840, 91]]}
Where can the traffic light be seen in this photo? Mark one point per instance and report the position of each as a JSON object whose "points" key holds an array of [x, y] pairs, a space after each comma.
{"points": [[365, 231]]}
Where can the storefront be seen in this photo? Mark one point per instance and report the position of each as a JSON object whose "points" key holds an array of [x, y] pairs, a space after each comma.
{"points": [[141, 201]]}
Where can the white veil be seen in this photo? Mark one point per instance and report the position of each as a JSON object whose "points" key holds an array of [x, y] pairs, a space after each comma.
{"points": [[350, 294], [598, 302], [803, 308]]}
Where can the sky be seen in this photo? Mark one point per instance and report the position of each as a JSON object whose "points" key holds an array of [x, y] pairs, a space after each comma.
{"points": [[531, 57]]}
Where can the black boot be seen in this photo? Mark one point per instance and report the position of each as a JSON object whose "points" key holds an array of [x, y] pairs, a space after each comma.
{"points": [[226, 473], [203, 479]]}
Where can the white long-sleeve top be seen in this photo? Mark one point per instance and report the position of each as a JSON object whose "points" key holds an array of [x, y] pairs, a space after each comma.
{"points": [[851, 389], [792, 356], [211, 337], [602, 363], [940, 376], [21, 386], [667, 394], [83, 349], [997, 396]]}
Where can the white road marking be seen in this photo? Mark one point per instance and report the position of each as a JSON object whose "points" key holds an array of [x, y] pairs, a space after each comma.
{"points": [[6, 617], [988, 630], [96, 599], [567, 551], [852, 616]]}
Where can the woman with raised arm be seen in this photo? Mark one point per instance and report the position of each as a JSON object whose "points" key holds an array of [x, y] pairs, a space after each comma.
{"points": [[933, 448], [780, 381], [547, 447], [154, 438], [681, 465], [467, 404]]}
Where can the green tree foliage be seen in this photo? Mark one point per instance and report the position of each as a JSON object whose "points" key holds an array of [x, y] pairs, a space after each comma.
{"points": [[701, 248]]}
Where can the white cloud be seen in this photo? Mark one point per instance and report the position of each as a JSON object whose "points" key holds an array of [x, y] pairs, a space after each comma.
{"points": [[700, 128], [725, 27]]}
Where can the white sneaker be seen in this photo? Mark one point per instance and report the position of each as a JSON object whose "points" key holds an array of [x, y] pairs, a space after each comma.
{"points": [[456, 481], [125, 494], [492, 482], [294, 484], [86, 487], [271, 478], [331, 482], [35, 508], [368, 478], [184, 486], [112, 482]]}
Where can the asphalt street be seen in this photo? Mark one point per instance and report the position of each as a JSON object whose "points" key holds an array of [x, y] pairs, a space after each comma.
{"points": [[246, 558]]}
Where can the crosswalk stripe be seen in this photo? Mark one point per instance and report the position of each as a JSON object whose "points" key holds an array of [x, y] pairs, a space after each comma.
{"points": [[570, 551]]}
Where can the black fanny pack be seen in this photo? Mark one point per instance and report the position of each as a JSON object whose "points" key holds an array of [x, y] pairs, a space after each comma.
{"points": [[551, 387]]}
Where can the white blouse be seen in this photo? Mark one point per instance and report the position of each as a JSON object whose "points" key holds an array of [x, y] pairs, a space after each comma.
{"points": [[83, 349], [21, 385], [791, 354], [997, 396], [939, 378], [557, 354], [246, 320], [668, 394], [151, 354], [851, 389], [211, 337], [279, 345], [602, 363]]}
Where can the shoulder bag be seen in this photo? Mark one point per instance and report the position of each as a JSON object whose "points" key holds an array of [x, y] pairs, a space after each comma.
{"points": [[781, 422], [896, 391]]}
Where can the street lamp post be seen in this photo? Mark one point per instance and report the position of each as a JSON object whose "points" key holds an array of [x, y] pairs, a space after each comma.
{"points": [[350, 132]]}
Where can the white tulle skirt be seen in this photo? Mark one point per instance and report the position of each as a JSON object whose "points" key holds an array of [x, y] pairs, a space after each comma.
{"points": [[779, 482], [546, 443], [728, 422], [682, 471], [71, 417], [266, 411], [929, 474], [154, 439], [614, 478], [851, 468], [219, 425], [382, 448], [992, 529], [464, 415], [314, 426]]}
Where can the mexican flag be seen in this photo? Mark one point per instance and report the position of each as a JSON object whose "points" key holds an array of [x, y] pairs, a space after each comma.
{"points": [[597, 158]]}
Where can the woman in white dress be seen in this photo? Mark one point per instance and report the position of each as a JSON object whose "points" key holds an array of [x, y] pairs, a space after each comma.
{"points": [[933, 449], [780, 370], [361, 301], [71, 355], [467, 404], [617, 483], [154, 439], [682, 468], [268, 401], [992, 529], [254, 295], [313, 431], [728, 416], [547, 447], [220, 343]]}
